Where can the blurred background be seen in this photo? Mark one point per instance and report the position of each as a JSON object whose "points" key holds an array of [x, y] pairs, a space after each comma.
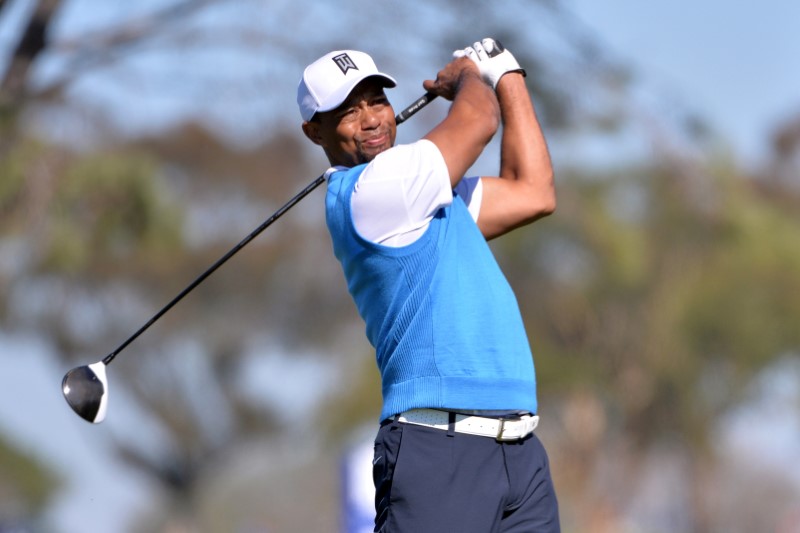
{"points": [[141, 140]]}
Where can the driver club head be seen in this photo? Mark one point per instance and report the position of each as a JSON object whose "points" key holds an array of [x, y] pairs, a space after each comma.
{"points": [[86, 390]]}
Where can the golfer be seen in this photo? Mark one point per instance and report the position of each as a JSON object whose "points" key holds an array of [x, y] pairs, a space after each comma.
{"points": [[455, 451]]}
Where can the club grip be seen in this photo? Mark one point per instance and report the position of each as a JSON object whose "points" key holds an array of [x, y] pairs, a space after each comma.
{"points": [[408, 112]]}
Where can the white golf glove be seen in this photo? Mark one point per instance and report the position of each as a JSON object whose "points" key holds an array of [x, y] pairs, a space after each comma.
{"points": [[492, 59]]}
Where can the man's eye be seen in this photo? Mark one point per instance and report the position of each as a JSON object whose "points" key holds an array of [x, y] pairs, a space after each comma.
{"points": [[347, 113]]}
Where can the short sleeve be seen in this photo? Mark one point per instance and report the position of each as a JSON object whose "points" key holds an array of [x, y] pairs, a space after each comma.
{"points": [[399, 192], [471, 191]]}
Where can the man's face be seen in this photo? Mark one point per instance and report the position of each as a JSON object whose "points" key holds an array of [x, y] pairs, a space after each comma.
{"points": [[359, 129]]}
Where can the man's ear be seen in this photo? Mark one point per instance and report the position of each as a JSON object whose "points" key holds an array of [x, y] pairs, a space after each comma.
{"points": [[311, 130]]}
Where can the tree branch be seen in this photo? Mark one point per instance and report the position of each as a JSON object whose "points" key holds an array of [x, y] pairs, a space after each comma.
{"points": [[32, 42]]}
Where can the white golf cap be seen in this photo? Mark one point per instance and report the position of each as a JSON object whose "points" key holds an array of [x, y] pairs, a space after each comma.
{"points": [[328, 81]]}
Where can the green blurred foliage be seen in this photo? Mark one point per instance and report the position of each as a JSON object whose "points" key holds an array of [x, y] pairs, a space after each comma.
{"points": [[25, 484], [648, 282], [108, 205], [86, 210], [14, 168]]}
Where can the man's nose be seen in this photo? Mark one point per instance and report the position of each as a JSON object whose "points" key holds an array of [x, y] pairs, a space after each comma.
{"points": [[370, 118]]}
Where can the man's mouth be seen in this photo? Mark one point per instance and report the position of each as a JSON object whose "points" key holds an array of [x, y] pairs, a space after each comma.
{"points": [[376, 141]]}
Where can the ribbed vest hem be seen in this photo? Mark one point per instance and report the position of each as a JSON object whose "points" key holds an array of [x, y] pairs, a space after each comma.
{"points": [[461, 392]]}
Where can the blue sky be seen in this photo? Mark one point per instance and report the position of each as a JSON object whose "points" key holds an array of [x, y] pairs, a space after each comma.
{"points": [[736, 63], [733, 63]]}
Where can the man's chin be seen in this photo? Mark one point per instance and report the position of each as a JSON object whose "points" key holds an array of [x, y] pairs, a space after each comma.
{"points": [[369, 155]]}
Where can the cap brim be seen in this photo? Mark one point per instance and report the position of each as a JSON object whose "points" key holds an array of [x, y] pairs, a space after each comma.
{"points": [[337, 98]]}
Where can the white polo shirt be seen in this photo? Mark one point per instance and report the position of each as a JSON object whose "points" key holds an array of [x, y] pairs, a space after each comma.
{"points": [[401, 190]]}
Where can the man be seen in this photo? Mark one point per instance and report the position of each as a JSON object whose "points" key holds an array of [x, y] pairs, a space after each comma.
{"points": [[456, 449]]}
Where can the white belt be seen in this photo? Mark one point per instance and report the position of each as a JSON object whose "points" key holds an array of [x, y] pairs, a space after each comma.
{"points": [[501, 429]]}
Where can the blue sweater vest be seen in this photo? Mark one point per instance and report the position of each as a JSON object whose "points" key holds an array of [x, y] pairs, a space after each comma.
{"points": [[444, 321]]}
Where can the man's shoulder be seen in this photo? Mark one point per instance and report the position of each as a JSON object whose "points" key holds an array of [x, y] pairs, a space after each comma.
{"points": [[420, 148], [410, 157]]}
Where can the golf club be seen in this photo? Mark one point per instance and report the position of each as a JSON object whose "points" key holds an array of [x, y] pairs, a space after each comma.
{"points": [[86, 387]]}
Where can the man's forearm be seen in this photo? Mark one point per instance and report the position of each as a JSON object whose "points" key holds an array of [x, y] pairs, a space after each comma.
{"points": [[525, 191], [524, 154], [472, 120]]}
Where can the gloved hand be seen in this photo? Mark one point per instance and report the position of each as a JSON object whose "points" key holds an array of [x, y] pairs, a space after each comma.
{"points": [[492, 59]]}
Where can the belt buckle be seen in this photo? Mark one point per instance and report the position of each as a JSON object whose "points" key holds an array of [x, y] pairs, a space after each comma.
{"points": [[529, 422], [499, 437]]}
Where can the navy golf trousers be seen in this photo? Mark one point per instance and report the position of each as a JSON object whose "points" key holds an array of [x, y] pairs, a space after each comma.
{"points": [[432, 481]]}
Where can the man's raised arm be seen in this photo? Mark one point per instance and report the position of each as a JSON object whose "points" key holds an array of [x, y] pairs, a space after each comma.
{"points": [[525, 190], [472, 120]]}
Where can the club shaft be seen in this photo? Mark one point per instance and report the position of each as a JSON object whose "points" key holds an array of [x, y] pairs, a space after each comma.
{"points": [[400, 118], [302, 194], [408, 112]]}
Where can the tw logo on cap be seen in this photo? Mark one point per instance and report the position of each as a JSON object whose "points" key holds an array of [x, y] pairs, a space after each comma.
{"points": [[344, 62]]}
